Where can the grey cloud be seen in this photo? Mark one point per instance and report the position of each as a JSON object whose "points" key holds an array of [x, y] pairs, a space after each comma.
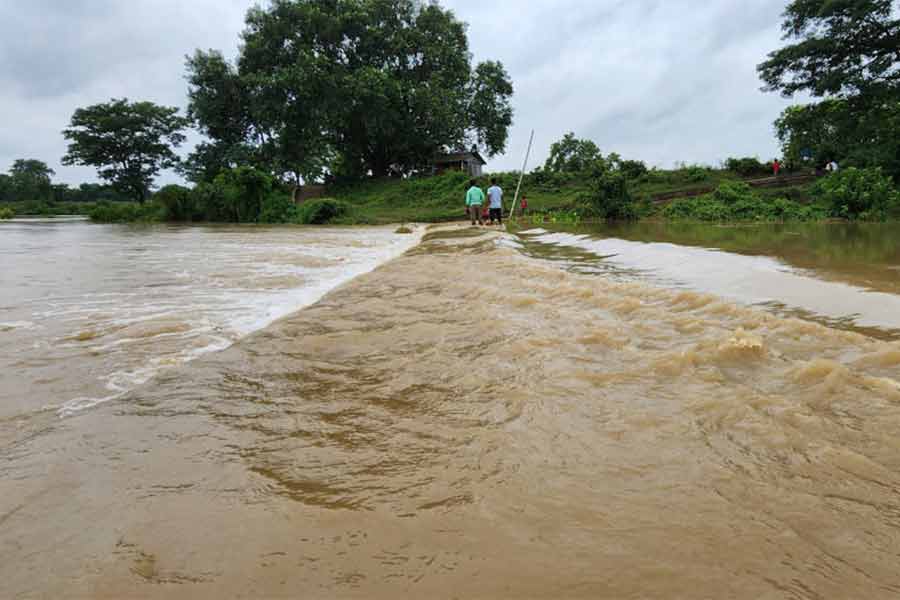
{"points": [[660, 80]]}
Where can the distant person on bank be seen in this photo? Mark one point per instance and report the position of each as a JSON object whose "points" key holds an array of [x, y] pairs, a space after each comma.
{"points": [[474, 200], [776, 167], [495, 197]]}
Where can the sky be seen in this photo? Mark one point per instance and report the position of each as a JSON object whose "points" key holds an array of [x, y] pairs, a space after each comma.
{"points": [[664, 81]]}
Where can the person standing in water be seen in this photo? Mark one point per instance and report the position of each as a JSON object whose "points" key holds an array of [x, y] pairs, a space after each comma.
{"points": [[474, 200], [495, 197]]}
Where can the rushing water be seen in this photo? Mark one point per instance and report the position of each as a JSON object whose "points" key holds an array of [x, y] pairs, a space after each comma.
{"points": [[483, 417], [846, 275], [88, 312]]}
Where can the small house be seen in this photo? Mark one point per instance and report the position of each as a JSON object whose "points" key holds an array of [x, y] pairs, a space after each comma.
{"points": [[469, 162]]}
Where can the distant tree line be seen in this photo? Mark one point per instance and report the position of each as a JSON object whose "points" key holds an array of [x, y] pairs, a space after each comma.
{"points": [[31, 181]]}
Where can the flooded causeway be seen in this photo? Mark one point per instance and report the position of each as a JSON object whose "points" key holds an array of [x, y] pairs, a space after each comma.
{"points": [[474, 420]]}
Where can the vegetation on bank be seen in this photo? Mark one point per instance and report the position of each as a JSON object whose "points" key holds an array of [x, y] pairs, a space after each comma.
{"points": [[606, 192], [6, 213]]}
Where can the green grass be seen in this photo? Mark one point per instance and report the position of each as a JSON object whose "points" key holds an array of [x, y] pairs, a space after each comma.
{"points": [[442, 198]]}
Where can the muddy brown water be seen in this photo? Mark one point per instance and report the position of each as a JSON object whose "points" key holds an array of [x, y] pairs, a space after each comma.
{"points": [[469, 421]]}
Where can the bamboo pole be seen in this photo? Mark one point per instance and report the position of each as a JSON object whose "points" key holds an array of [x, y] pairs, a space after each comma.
{"points": [[512, 212]]}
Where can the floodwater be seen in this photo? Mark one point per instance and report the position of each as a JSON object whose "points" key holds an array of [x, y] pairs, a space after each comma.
{"points": [[485, 416]]}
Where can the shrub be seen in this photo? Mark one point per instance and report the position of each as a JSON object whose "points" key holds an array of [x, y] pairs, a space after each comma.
{"points": [[736, 201], [179, 203], [6, 213], [321, 211], [700, 208], [210, 201], [278, 208], [609, 196], [127, 212], [747, 166], [733, 192], [633, 169], [242, 191], [853, 193]]}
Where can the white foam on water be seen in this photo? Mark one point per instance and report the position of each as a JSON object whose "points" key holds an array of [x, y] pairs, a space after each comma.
{"points": [[225, 311], [741, 278]]}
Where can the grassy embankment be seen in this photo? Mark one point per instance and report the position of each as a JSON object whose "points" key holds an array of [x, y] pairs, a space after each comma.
{"points": [[694, 193], [436, 199]]}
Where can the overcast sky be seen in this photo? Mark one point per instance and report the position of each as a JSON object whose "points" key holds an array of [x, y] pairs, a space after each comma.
{"points": [[658, 80]]}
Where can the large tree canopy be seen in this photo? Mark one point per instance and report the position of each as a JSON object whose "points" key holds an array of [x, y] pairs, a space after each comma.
{"points": [[841, 48], [30, 180], [128, 142], [572, 155], [348, 87], [848, 53]]}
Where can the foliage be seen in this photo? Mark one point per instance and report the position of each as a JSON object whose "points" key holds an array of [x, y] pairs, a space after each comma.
{"points": [[6, 213], [128, 142], [633, 169], [278, 208], [243, 190], [179, 203], [609, 196], [842, 48], [848, 53], [29, 180], [854, 132], [736, 201], [852, 193], [127, 212], [321, 211], [748, 166], [572, 155], [348, 86]]}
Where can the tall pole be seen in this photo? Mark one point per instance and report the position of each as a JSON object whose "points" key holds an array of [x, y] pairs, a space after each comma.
{"points": [[512, 212]]}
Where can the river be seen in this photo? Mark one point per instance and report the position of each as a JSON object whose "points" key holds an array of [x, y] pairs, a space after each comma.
{"points": [[628, 413]]}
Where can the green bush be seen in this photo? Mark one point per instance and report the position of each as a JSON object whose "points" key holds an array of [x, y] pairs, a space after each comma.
{"points": [[128, 212], [733, 192], [278, 208], [747, 166], [179, 202], [209, 198], [6, 213], [609, 197], [700, 208], [865, 194], [321, 211], [240, 194], [633, 169], [736, 201]]}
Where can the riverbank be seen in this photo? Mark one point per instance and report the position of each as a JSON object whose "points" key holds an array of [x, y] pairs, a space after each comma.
{"points": [[467, 418]]}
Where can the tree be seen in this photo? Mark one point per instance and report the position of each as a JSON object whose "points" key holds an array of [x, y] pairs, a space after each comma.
{"points": [[844, 48], [847, 130], [31, 180], [128, 142], [6, 188], [846, 52], [572, 155], [347, 87]]}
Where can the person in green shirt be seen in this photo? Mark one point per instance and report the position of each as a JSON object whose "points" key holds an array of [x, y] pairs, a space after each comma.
{"points": [[474, 200]]}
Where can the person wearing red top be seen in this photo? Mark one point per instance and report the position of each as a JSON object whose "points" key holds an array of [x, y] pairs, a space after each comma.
{"points": [[523, 204], [776, 167]]}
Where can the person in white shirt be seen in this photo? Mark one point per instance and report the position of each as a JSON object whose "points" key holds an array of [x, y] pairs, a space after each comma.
{"points": [[833, 166], [495, 198]]}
